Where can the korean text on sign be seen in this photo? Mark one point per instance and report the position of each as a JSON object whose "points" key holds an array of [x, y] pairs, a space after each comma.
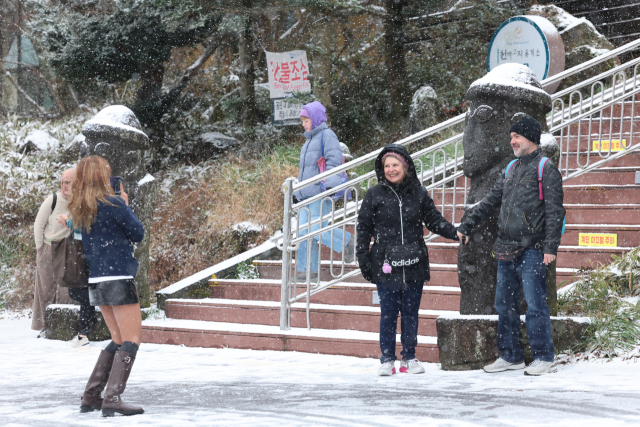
{"points": [[288, 72], [593, 239], [615, 145]]}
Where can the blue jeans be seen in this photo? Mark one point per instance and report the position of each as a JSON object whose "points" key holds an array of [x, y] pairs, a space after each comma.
{"points": [[405, 299], [529, 273], [338, 235]]}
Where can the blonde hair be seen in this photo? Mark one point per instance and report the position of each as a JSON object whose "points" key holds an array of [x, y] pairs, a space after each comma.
{"points": [[90, 185]]}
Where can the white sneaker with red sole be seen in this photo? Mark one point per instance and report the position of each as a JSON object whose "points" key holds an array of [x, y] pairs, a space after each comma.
{"points": [[412, 366], [387, 369]]}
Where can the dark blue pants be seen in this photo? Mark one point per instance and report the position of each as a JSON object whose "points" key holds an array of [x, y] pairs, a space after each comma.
{"points": [[87, 311], [529, 273], [397, 298]]}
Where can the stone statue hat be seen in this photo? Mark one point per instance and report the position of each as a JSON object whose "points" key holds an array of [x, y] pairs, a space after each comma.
{"points": [[116, 122], [510, 81]]}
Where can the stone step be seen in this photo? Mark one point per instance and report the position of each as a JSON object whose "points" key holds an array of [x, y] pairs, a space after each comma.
{"points": [[606, 127], [590, 213], [628, 236], [193, 333], [361, 294], [584, 142], [574, 193], [322, 316], [623, 109], [603, 194], [606, 176], [622, 214], [568, 256], [587, 157], [442, 275]]}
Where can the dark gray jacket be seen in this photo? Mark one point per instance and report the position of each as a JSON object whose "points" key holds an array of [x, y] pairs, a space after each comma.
{"points": [[524, 218]]}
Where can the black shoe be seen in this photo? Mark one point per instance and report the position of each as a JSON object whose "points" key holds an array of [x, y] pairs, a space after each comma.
{"points": [[42, 334]]}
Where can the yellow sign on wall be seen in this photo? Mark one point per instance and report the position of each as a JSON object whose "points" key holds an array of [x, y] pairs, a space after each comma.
{"points": [[605, 145], [593, 239]]}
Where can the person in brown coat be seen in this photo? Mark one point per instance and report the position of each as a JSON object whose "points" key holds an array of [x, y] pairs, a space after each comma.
{"points": [[46, 230]]}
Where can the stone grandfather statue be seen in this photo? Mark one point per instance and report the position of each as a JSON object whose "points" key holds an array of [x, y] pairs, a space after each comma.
{"points": [[499, 99], [115, 134]]}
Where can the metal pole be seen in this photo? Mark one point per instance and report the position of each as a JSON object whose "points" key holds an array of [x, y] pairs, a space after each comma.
{"points": [[286, 255]]}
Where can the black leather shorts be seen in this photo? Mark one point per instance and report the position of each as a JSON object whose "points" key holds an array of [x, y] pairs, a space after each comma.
{"points": [[113, 292]]}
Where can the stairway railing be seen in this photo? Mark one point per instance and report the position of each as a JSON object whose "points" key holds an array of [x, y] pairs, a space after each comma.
{"points": [[440, 168]]}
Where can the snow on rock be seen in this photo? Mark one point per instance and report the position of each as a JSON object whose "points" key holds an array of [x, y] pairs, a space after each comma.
{"points": [[565, 20], [511, 75], [38, 140], [115, 116], [147, 179], [548, 140]]}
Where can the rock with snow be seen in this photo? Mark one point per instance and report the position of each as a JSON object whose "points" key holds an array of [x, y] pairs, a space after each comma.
{"points": [[38, 140], [212, 144], [116, 121], [425, 109], [346, 153], [582, 42], [76, 149], [550, 147]]}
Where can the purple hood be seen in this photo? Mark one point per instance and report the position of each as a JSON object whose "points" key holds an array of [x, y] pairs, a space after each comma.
{"points": [[317, 112]]}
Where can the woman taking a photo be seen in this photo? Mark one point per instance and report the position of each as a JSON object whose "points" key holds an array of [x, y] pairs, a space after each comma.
{"points": [[393, 212], [109, 229]]}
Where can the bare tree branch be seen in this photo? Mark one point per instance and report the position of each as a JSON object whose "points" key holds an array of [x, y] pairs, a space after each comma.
{"points": [[26, 96]]}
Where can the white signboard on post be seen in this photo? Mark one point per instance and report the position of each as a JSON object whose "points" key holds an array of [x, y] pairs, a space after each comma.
{"points": [[288, 74], [529, 40]]}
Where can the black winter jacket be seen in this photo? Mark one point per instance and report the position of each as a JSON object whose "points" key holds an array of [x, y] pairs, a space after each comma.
{"points": [[394, 215], [524, 218]]}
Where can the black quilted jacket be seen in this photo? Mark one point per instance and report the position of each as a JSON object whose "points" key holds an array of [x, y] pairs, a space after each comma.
{"points": [[393, 215]]}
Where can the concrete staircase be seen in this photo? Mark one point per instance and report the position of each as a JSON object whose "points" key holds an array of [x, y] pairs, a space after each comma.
{"points": [[345, 318]]}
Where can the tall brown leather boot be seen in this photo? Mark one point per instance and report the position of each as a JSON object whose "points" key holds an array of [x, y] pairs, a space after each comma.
{"points": [[91, 400], [112, 403]]}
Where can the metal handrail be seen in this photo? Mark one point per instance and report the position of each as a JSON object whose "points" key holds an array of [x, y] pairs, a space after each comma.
{"points": [[353, 207]]}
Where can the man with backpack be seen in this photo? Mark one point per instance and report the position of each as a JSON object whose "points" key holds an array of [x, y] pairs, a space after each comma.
{"points": [[531, 222]]}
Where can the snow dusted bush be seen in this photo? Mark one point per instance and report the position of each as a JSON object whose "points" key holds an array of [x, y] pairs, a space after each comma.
{"points": [[27, 178], [246, 270], [609, 296], [199, 207]]}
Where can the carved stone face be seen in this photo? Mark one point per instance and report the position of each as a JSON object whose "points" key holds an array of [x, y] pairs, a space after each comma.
{"points": [[498, 100], [486, 138]]}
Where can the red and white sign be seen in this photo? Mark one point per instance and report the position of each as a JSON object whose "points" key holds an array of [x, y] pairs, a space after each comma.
{"points": [[288, 72]]}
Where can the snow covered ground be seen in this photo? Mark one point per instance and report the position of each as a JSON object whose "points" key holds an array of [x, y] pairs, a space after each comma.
{"points": [[41, 382]]}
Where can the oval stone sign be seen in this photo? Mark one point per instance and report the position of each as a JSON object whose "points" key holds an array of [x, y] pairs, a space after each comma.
{"points": [[529, 40]]}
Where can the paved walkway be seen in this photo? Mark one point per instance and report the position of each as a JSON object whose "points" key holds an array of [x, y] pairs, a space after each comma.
{"points": [[41, 382]]}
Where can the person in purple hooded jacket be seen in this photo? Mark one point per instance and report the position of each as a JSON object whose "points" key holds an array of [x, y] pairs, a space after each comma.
{"points": [[317, 133]]}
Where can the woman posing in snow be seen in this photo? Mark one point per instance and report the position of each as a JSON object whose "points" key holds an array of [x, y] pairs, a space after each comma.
{"points": [[393, 212], [109, 229], [319, 136]]}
